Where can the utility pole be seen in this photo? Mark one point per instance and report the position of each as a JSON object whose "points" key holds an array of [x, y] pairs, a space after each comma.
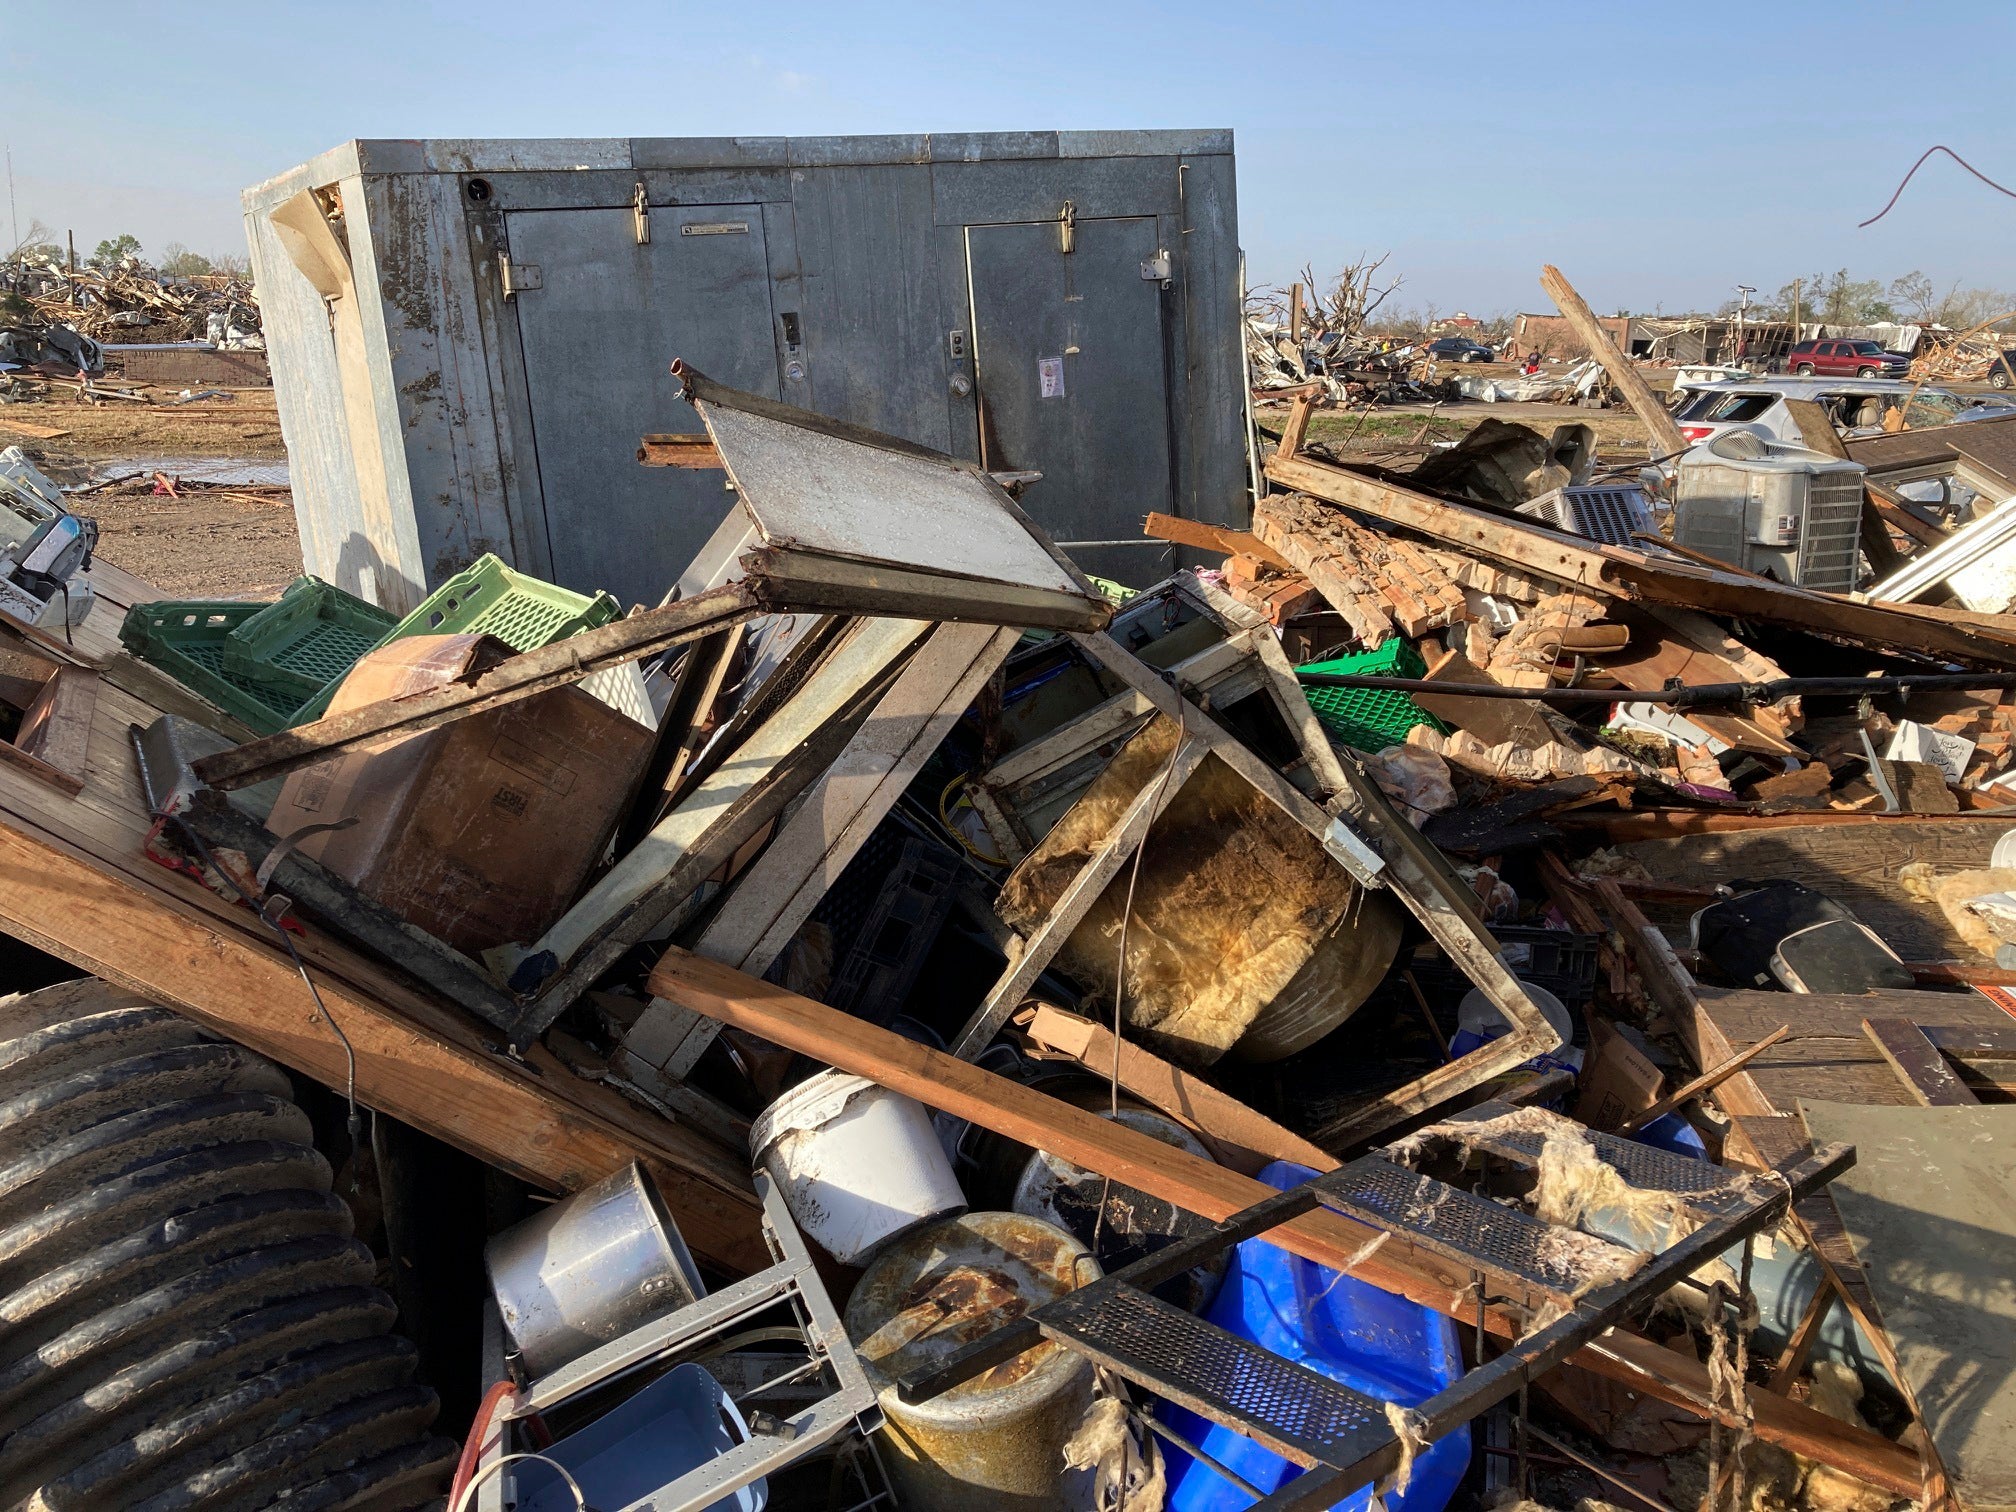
{"points": [[1797, 283], [13, 214], [1743, 293]]}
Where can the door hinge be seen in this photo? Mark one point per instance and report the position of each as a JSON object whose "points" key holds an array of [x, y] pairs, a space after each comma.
{"points": [[1156, 268], [1067, 228], [640, 213], [517, 277]]}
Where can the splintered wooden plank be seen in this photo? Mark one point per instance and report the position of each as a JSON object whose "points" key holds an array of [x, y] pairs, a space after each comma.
{"points": [[1207, 537], [1918, 1063]]}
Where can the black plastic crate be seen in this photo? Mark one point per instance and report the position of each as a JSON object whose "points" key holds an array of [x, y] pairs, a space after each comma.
{"points": [[879, 964], [1559, 960]]}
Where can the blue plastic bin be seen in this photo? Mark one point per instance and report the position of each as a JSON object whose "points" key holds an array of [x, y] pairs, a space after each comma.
{"points": [[1358, 1335], [676, 1424]]}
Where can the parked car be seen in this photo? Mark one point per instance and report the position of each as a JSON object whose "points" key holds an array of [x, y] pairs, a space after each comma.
{"points": [[1460, 349], [1704, 411], [1843, 359], [2004, 366]]}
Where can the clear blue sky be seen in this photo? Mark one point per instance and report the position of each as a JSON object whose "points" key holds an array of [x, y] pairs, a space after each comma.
{"points": [[1659, 154]]}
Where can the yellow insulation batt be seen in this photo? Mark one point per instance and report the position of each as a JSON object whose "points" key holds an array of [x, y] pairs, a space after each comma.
{"points": [[1242, 929]]}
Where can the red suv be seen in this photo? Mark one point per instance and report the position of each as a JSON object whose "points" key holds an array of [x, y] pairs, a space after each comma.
{"points": [[1844, 359]]}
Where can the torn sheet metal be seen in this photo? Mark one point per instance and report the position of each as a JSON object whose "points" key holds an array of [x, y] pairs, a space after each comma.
{"points": [[850, 520]]}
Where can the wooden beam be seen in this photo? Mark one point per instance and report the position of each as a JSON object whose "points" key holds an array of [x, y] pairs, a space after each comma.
{"points": [[1666, 437], [1707, 1081], [1296, 426], [779, 892], [1207, 537], [419, 1063], [1791, 1363], [1006, 1107], [518, 677], [1240, 1138], [1918, 1063], [1085, 889], [1671, 986], [689, 449]]}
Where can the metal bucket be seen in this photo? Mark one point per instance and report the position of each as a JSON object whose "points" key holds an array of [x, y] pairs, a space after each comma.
{"points": [[589, 1269], [996, 1443]]}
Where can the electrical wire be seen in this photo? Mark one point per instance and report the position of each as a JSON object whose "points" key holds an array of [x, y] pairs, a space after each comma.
{"points": [[1999, 189], [954, 831], [476, 1480], [354, 1123], [479, 1429], [1120, 969]]}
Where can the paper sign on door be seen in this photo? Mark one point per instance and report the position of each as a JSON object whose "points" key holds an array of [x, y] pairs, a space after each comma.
{"points": [[1050, 376]]}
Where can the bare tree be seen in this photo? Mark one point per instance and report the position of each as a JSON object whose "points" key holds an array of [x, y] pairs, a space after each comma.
{"points": [[1354, 294]]}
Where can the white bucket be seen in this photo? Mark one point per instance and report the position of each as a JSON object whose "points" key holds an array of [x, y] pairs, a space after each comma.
{"points": [[857, 1163]]}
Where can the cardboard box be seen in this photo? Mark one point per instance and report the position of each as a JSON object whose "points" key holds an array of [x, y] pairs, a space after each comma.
{"points": [[482, 831], [1618, 1077]]}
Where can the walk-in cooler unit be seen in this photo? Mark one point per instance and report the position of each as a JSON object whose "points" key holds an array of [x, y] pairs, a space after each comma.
{"points": [[469, 338]]}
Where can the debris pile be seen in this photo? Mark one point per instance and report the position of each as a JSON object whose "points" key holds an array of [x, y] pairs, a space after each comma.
{"points": [[1408, 979], [55, 319]]}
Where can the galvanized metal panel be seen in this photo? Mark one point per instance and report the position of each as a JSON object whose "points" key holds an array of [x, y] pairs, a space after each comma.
{"points": [[1070, 351], [599, 338], [985, 146], [612, 189], [875, 349], [1088, 144], [967, 194], [427, 288], [859, 151], [811, 491], [525, 155], [1211, 469], [709, 152], [308, 392]]}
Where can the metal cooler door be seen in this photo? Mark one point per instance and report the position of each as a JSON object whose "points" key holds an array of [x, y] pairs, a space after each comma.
{"points": [[1070, 357], [599, 334]]}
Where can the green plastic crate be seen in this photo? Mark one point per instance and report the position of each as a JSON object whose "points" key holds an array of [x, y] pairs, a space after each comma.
{"points": [[309, 640], [1370, 719], [187, 640], [489, 598]]}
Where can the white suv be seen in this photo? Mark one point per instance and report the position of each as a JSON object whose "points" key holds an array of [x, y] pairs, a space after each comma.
{"points": [[1855, 405]]}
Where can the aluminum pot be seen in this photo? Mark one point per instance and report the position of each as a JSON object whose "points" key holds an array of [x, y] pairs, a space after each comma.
{"points": [[588, 1270]]}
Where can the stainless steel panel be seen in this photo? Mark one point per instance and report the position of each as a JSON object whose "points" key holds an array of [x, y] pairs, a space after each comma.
{"points": [[1073, 381], [599, 337]]}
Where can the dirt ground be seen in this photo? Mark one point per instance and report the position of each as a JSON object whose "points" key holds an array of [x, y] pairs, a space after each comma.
{"points": [[199, 542]]}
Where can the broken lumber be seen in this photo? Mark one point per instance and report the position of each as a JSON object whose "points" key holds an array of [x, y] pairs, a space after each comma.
{"points": [[1623, 573], [994, 1102], [416, 1061], [1666, 437], [1207, 537], [1241, 1138]]}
